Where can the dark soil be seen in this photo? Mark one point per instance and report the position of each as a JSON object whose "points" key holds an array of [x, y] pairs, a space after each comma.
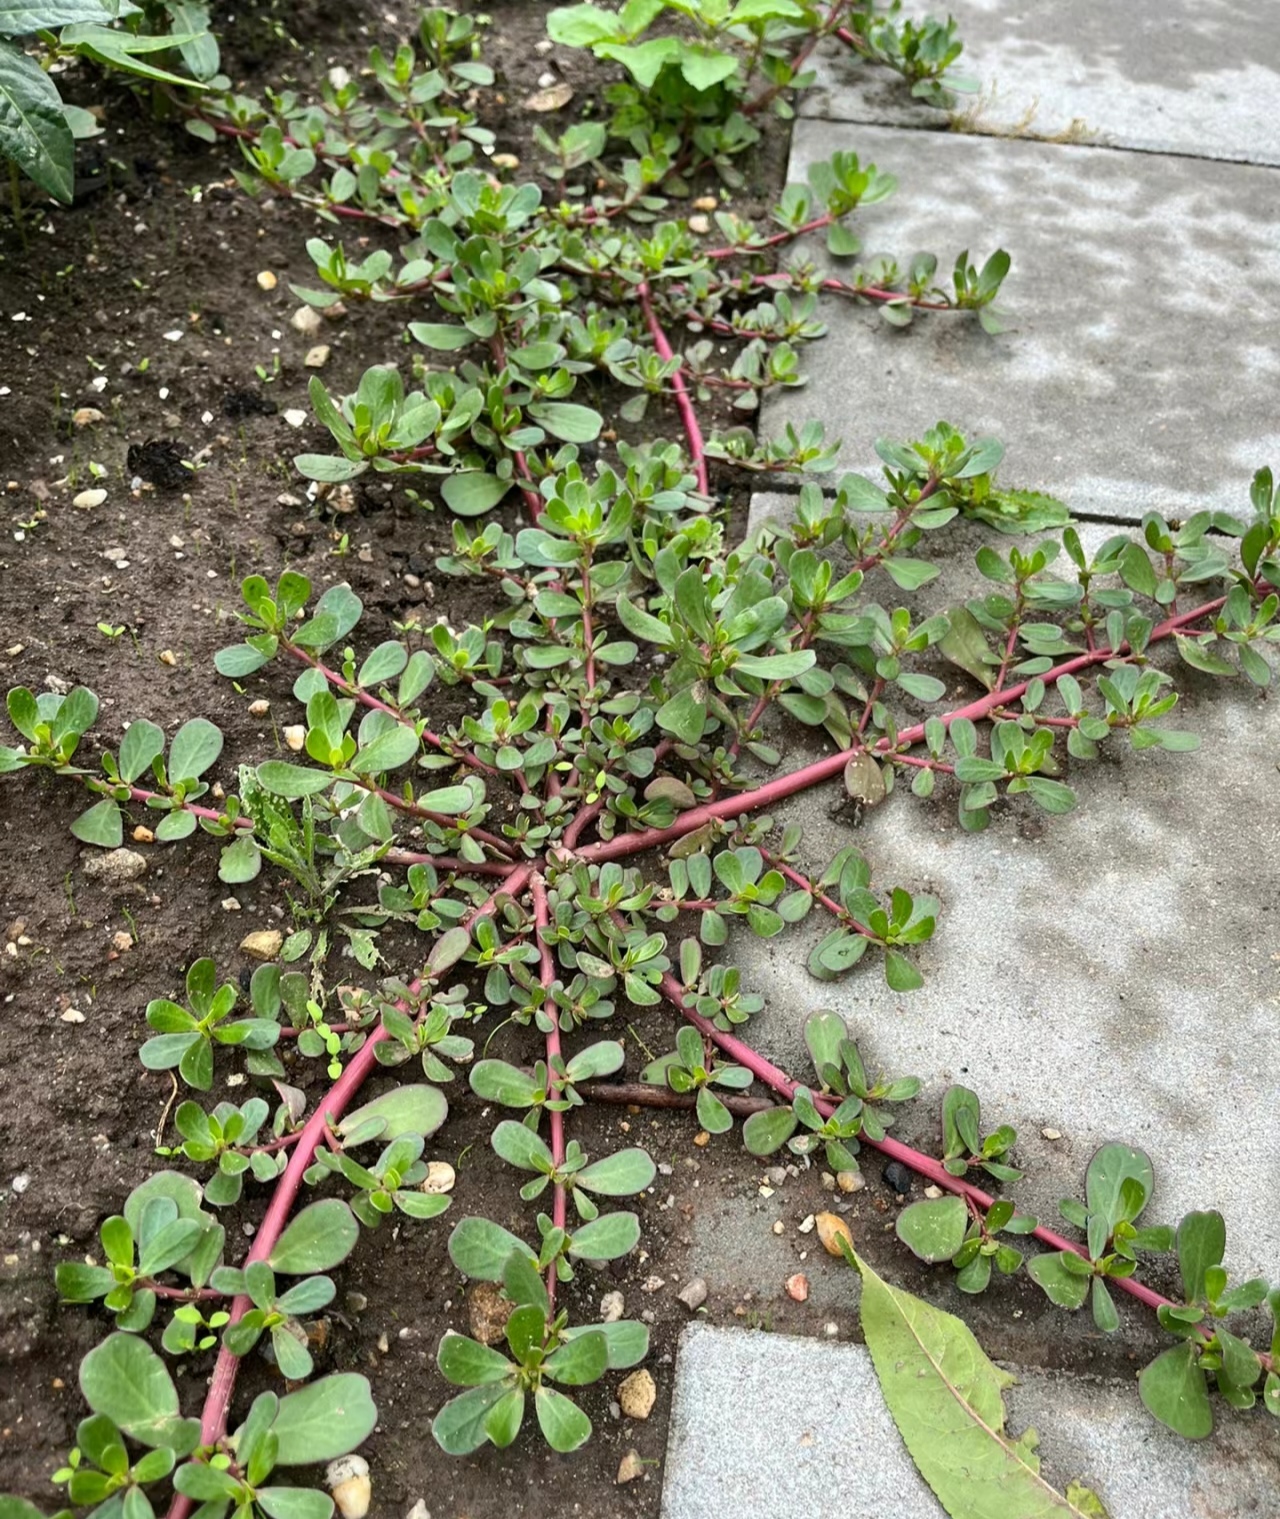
{"points": [[158, 242]]}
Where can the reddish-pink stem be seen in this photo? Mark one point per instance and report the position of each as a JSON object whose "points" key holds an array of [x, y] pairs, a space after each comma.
{"points": [[316, 1131], [547, 972], [925, 1165], [824, 769], [787, 236], [688, 417], [357, 693]]}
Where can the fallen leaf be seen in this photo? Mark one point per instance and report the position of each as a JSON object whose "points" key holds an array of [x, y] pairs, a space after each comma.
{"points": [[947, 1400]]}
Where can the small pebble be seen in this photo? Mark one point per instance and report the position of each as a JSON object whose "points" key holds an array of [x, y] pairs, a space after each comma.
{"points": [[143, 835], [317, 357], [347, 1479], [830, 1329], [116, 867], [637, 1394], [122, 941], [440, 1177], [267, 280], [798, 1287], [259, 708], [167, 657], [630, 1467], [612, 1307], [806, 1224], [652, 1284], [263, 944], [706, 203], [702, 1138], [86, 416], [694, 1294], [306, 320], [419, 1510], [897, 1178], [850, 1181], [933, 1193], [1051, 1133], [294, 417], [295, 735], [89, 498], [73, 1015], [20, 1183], [229, 904], [831, 1230], [779, 1227], [699, 224]]}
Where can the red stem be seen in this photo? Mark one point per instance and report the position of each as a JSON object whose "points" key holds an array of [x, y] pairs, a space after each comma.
{"points": [[547, 972], [777, 1079], [684, 405], [213, 1422], [786, 236], [823, 769]]}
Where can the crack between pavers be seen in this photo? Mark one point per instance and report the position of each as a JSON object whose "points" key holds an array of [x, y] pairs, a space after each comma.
{"points": [[1031, 139]]}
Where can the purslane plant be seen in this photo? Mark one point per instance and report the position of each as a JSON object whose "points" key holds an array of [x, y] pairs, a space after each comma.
{"points": [[625, 681]]}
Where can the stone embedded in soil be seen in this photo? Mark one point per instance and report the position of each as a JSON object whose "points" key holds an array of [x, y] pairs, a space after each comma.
{"points": [[612, 1307], [87, 416], [850, 1181], [306, 320], [295, 735], [90, 498], [259, 708], [798, 1287], [488, 1312], [630, 1467], [143, 835], [440, 1177], [419, 1510], [897, 1178], [347, 1479], [831, 1229], [694, 1294], [317, 357], [263, 943], [116, 868], [637, 1395], [267, 280]]}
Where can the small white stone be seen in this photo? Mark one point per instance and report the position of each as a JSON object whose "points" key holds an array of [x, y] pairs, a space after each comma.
{"points": [[611, 1307], [174, 335], [295, 735], [294, 417], [259, 708], [347, 1479], [73, 1015], [19, 1184], [806, 1225], [317, 357], [229, 904], [440, 1177], [1051, 1133], [419, 1510], [90, 498], [267, 280], [306, 319]]}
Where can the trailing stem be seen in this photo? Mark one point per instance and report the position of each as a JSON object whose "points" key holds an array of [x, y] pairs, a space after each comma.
{"points": [[547, 975], [316, 1131]]}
